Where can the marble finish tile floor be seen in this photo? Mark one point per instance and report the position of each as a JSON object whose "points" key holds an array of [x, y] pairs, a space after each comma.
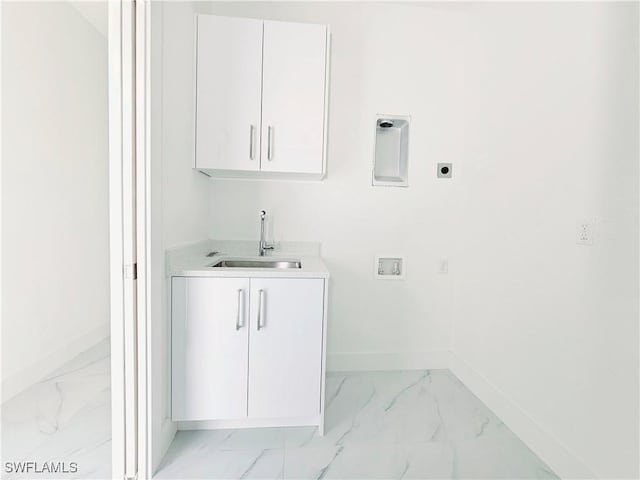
{"points": [[379, 425], [64, 418]]}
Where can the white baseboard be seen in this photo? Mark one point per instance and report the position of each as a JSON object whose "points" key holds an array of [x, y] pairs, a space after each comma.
{"points": [[546, 446], [42, 367], [363, 361]]}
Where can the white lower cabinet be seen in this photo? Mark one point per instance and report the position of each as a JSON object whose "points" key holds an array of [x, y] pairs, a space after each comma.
{"points": [[285, 347], [247, 348], [209, 348]]}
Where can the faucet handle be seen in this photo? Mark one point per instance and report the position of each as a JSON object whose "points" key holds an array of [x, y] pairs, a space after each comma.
{"points": [[262, 214]]}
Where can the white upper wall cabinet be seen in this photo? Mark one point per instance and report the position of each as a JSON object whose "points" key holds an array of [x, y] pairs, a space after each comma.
{"points": [[228, 92], [293, 79], [261, 90]]}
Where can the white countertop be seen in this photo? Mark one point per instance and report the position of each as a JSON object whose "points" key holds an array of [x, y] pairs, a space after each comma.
{"points": [[192, 260]]}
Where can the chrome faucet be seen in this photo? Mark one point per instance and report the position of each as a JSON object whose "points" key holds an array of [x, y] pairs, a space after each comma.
{"points": [[264, 246]]}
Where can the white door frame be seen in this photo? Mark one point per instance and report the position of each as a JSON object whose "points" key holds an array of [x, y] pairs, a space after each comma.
{"points": [[143, 229], [128, 205]]}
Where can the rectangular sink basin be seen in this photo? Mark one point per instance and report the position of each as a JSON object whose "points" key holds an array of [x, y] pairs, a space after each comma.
{"points": [[258, 264]]}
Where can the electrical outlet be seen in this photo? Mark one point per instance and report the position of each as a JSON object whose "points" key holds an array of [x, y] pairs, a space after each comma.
{"points": [[584, 232], [444, 170], [444, 266]]}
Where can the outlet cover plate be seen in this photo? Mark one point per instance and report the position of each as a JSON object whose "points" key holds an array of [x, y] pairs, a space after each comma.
{"points": [[584, 232], [445, 170]]}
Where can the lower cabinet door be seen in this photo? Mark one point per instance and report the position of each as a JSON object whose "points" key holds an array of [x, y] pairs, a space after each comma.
{"points": [[285, 347], [209, 348]]}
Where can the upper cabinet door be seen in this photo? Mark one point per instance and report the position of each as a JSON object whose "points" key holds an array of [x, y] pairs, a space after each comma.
{"points": [[293, 103], [228, 93]]}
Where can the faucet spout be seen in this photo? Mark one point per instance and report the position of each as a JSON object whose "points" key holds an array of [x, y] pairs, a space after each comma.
{"points": [[264, 246]]}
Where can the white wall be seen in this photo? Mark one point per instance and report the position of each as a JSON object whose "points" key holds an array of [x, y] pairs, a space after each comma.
{"points": [[184, 190], [385, 58], [55, 296], [179, 194], [551, 124]]}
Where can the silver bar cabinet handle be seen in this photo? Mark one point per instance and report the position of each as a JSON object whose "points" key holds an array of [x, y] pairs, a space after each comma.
{"points": [[260, 313], [239, 324], [269, 130], [251, 127]]}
